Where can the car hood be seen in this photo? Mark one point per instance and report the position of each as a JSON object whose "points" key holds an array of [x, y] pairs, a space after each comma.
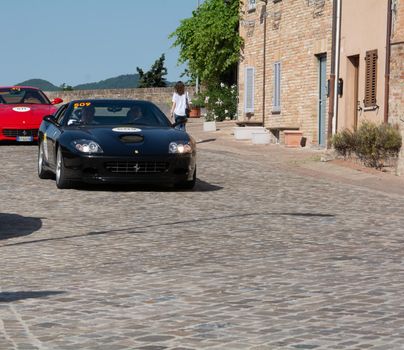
{"points": [[23, 114], [153, 141]]}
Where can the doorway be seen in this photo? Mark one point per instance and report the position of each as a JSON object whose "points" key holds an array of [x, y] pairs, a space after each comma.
{"points": [[352, 82], [322, 99]]}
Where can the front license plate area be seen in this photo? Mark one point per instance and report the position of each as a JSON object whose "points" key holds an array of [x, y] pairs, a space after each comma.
{"points": [[25, 138]]}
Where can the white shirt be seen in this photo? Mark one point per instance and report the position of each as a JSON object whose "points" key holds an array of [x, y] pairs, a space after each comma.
{"points": [[180, 103]]}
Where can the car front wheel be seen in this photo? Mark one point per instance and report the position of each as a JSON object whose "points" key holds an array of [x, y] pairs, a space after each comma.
{"points": [[61, 180], [187, 185], [42, 173]]}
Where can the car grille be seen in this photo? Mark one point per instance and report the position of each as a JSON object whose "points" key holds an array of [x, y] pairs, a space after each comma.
{"points": [[20, 132], [131, 138], [136, 167]]}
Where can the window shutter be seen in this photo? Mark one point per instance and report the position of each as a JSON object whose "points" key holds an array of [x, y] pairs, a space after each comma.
{"points": [[371, 78], [277, 87], [249, 90]]}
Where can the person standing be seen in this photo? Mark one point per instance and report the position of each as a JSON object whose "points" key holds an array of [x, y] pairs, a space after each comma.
{"points": [[180, 105]]}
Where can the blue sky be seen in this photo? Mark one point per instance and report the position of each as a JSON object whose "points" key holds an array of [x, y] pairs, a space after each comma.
{"points": [[81, 41]]}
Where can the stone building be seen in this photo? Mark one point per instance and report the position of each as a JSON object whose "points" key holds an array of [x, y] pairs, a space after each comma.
{"points": [[362, 62], [372, 65], [285, 66]]}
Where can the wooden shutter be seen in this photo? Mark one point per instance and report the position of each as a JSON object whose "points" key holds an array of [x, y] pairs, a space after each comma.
{"points": [[277, 87], [371, 78], [249, 90]]}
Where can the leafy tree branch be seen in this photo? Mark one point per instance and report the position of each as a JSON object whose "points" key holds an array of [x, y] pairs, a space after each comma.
{"points": [[209, 40]]}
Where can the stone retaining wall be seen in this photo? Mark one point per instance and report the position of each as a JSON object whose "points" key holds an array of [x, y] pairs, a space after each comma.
{"points": [[160, 96]]}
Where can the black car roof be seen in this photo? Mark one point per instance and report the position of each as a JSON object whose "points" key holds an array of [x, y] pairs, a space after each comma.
{"points": [[108, 100]]}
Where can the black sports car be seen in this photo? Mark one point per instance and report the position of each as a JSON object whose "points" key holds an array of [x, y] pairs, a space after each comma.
{"points": [[114, 141]]}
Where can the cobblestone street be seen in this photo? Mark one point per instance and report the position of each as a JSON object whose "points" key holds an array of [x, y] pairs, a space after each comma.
{"points": [[257, 256]]}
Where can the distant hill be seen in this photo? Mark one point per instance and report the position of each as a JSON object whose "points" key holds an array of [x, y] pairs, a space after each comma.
{"points": [[40, 84], [126, 81]]}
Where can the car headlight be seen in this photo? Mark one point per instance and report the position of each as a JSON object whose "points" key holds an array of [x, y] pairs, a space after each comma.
{"points": [[179, 148], [87, 146]]}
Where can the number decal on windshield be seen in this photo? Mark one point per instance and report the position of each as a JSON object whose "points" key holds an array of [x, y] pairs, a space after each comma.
{"points": [[82, 104]]}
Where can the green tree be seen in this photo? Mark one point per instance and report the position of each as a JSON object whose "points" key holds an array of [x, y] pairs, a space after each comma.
{"points": [[65, 87], [209, 41], [155, 76]]}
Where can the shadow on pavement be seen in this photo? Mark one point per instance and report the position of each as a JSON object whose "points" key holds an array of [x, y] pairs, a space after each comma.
{"points": [[66, 237], [200, 186], [8, 297], [14, 225], [143, 229], [307, 214], [15, 143], [207, 140]]}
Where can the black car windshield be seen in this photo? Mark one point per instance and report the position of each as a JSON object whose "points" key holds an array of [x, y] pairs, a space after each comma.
{"points": [[114, 113], [17, 95]]}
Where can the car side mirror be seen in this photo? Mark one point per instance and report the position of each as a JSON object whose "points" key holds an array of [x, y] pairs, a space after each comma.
{"points": [[56, 101], [50, 119], [179, 122]]}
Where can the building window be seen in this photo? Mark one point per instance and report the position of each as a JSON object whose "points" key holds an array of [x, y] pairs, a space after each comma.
{"points": [[249, 90], [371, 78], [251, 5], [277, 88]]}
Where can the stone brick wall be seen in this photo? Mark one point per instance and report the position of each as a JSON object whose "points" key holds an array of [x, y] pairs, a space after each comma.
{"points": [[396, 96], [398, 21], [396, 101], [160, 96], [297, 32]]}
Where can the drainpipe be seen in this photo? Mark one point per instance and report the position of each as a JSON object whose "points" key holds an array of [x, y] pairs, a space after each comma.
{"points": [[388, 55], [337, 59], [264, 14], [331, 92]]}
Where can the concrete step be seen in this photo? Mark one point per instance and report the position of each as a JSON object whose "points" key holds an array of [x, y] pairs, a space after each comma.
{"points": [[245, 133]]}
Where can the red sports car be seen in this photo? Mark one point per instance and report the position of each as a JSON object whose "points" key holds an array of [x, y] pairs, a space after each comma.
{"points": [[21, 111]]}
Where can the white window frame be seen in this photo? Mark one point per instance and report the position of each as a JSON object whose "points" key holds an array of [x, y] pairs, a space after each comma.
{"points": [[251, 5], [249, 81]]}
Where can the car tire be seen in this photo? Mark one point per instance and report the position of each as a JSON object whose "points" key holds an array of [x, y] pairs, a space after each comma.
{"points": [[42, 173], [61, 180], [187, 185]]}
